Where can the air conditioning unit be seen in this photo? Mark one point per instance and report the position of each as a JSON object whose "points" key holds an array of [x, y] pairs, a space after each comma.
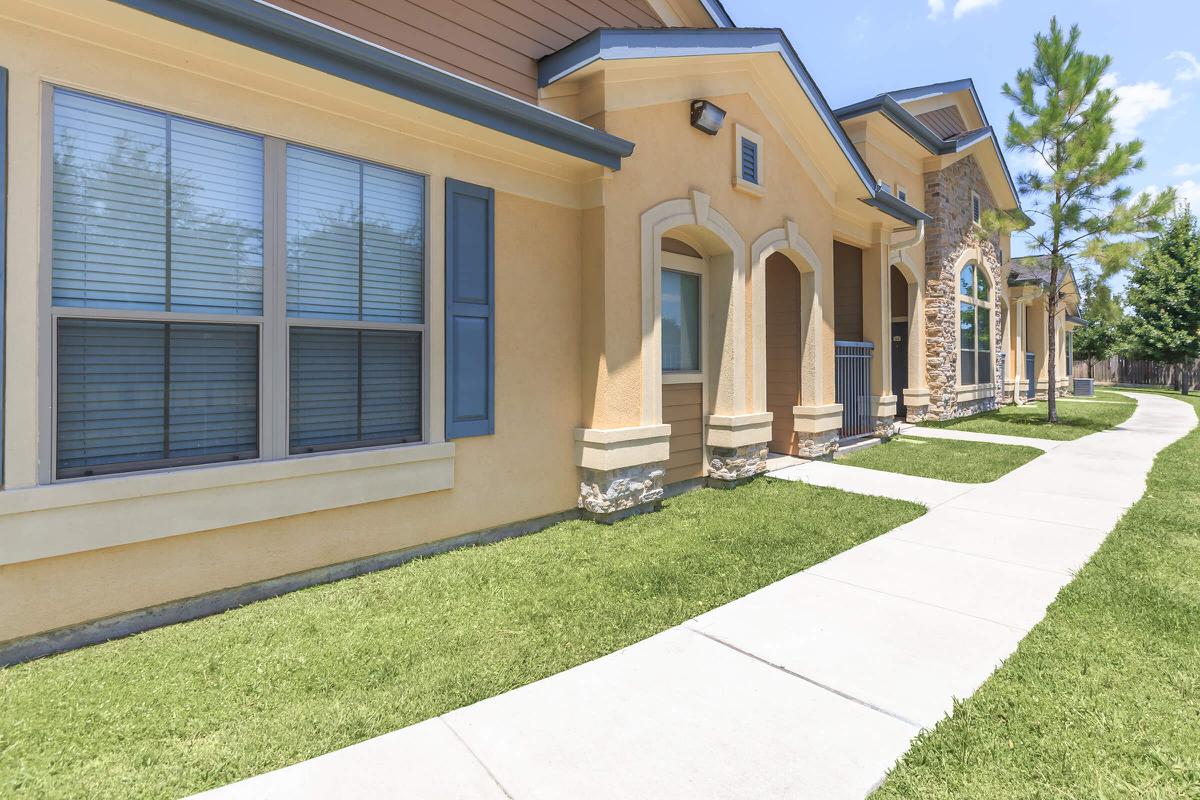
{"points": [[1085, 387]]}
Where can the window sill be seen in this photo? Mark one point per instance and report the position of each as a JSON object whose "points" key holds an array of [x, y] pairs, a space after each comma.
{"points": [[63, 518], [682, 377], [743, 185], [976, 391]]}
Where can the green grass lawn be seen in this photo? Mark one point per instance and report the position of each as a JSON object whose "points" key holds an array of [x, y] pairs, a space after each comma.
{"points": [[200, 704], [944, 459], [1102, 698], [1076, 418]]}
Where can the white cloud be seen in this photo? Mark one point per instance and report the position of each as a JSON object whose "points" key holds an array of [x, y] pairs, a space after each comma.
{"points": [[1185, 169], [1186, 193], [963, 7], [936, 7], [1189, 192], [1135, 102], [1188, 71]]}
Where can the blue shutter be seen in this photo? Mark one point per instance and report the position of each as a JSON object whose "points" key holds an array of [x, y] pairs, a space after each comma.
{"points": [[749, 161], [470, 310], [3, 241]]}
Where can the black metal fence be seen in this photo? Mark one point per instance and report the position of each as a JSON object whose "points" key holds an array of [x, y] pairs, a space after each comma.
{"points": [[853, 360]]}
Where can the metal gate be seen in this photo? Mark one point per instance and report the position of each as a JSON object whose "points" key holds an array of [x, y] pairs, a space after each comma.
{"points": [[1031, 376], [853, 361]]}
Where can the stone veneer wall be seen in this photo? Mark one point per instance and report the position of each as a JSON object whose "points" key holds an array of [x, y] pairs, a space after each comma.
{"points": [[948, 201]]}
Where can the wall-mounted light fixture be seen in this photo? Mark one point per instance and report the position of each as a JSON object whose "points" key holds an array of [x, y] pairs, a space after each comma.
{"points": [[707, 117]]}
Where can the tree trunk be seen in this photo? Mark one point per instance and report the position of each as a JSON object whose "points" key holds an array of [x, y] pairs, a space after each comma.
{"points": [[1052, 349], [1183, 378]]}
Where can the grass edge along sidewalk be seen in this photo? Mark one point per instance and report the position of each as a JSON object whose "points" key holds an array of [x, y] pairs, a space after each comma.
{"points": [[208, 702], [1102, 698], [943, 459], [1076, 419]]}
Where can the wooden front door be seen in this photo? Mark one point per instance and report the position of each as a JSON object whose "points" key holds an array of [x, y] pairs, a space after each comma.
{"points": [[783, 350]]}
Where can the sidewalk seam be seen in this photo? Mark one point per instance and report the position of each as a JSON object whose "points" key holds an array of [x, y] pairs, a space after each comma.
{"points": [[805, 678], [969, 554], [1008, 625], [475, 756]]}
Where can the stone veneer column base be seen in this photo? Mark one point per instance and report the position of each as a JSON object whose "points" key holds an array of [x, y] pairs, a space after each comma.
{"points": [[621, 470], [731, 466], [611, 495], [817, 430], [883, 410], [737, 447], [916, 405]]}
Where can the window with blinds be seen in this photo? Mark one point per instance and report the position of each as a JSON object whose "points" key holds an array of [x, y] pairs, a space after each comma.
{"points": [[153, 214], [355, 255], [160, 324], [140, 395]]}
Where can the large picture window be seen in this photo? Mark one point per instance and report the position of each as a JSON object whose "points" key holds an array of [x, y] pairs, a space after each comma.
{"points": [[195, 321], [975, 326]]}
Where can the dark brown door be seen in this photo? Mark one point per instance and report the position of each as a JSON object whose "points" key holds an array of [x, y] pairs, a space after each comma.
{"points": [[783, 350]]}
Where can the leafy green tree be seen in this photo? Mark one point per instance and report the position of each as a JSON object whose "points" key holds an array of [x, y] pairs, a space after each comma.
{"points": [[1064, 120], [1164, 297], [1100, 336]]}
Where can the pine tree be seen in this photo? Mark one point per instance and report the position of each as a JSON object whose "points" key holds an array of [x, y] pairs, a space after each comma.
{"points": [[1164, 297], [1064, 119]]}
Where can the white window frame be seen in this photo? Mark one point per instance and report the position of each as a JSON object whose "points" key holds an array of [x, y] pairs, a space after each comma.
{"points": [[741, 132], [974, 300], [976, 203], [273, 323]]}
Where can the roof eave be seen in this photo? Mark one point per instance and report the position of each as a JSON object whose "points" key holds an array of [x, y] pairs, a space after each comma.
{"points": [[889, 105], [303, 41], [617, 44], [895, 207]]}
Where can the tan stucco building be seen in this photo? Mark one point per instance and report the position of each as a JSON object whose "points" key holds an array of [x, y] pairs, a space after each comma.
{"points": [[295, 291]]}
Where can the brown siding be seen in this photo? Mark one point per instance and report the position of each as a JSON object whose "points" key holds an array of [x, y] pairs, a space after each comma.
{"points": [[493, 42], [783, 350], [847, 293], [683, 411]]}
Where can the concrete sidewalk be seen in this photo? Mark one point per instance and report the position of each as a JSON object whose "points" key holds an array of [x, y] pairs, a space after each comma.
{"points": [[810, 687]]}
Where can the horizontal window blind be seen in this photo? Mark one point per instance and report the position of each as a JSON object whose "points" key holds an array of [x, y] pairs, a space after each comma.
{"points": [[353, 387], [141, 395], [356, 240], [153, 211]]}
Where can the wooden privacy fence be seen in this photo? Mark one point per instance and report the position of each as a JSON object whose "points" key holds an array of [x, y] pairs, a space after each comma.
{"points": [[1136, 372]]}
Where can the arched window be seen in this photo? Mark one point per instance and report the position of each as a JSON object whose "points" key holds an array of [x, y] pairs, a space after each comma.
{"points": [[975, 326]]}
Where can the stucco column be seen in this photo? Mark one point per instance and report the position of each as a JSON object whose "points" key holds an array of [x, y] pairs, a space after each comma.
{"points": [[877, 329], [621, 458]]}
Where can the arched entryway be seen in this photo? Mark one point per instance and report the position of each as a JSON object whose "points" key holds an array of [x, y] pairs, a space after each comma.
{"points": [[790, 293], [784, 350], [684, 287]]}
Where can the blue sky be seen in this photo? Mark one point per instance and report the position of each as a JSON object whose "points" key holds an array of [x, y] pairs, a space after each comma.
{"points": [[858, 49]]}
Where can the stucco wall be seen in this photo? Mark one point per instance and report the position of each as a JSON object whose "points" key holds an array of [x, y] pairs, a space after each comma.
{"points": [[670, 161], [525, 470]]}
